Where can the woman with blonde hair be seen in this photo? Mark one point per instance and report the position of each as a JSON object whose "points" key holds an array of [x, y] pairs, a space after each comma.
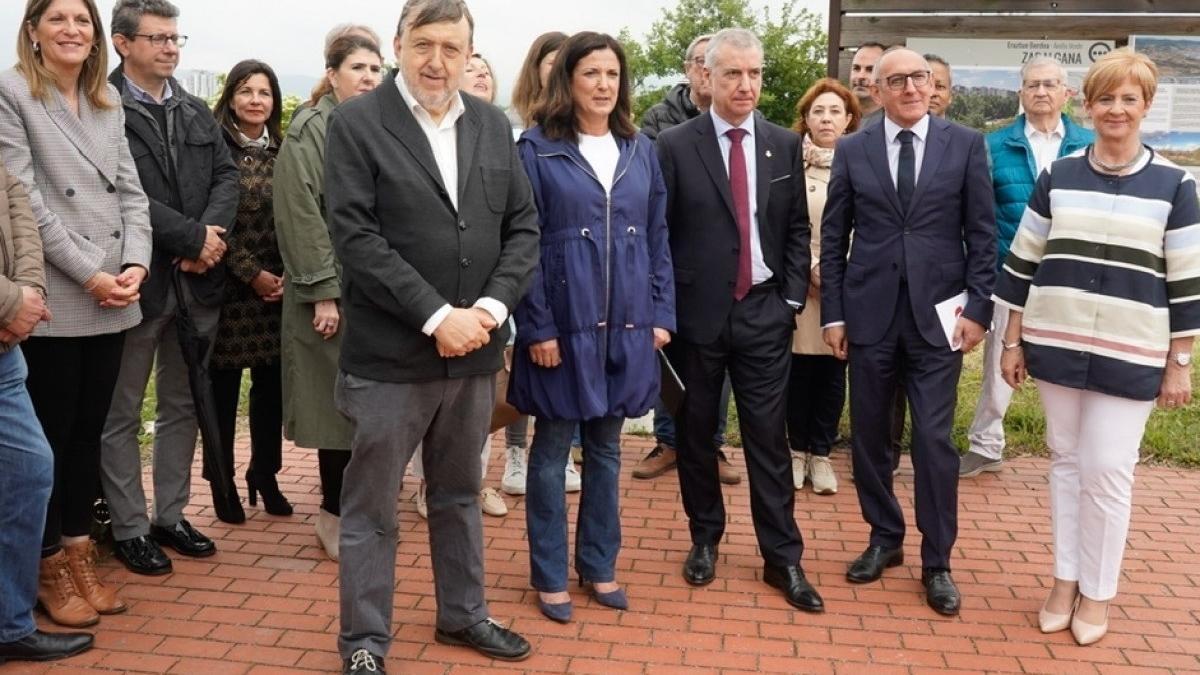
{"points": [[1101, 285], [62, 133]]}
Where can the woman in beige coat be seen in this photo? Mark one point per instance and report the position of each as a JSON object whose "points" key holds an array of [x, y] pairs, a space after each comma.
{"points": [[817, 386], [62, 133]]}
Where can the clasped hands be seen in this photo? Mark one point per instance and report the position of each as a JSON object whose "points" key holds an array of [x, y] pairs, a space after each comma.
{"points": [[121, 290], [463, 331], [210, 255], [32, 311]]}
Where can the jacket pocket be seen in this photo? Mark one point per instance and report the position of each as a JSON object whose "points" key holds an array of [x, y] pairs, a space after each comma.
{"points": [[495, 187]]}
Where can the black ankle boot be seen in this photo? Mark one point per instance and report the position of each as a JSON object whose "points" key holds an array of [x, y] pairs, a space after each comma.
{"points": [[273, 500], [229, 510]]}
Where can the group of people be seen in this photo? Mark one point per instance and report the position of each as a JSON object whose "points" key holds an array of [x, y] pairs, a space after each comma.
{"points": [[375, 267]]}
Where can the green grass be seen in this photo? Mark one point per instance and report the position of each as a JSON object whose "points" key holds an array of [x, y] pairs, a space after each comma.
{"points": [[1172, 437]]}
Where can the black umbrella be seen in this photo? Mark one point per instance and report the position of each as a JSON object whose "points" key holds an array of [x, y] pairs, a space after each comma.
{"points": [[195, 347]]}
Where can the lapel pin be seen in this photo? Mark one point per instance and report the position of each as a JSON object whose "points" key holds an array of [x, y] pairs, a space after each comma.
{"points": [[768, 154]]}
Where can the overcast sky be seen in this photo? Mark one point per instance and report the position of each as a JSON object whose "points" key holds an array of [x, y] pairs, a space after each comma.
{"points": [[289, 35]]}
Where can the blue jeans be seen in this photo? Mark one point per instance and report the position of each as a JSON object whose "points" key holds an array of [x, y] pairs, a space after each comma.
{"points": [[598, 523], [664, 424], [26, 477]]}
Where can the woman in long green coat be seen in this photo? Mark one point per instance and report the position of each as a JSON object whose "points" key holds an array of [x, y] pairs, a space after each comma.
{"points": [[312, 282]]}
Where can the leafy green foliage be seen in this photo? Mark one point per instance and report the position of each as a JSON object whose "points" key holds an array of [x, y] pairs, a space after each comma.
{"points": [[793, 44]]}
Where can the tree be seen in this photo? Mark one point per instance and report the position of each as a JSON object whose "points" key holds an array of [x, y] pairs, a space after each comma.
{"points": [[793, 44]]}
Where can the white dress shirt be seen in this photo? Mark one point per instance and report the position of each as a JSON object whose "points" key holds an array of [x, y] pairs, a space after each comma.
{"points": [[920, 132], [1045, 146], [759, 272], [443, 141]]}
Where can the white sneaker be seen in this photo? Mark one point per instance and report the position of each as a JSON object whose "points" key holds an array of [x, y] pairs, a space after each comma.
{"points": [[422, 507], [820, 471], [513, 482], [491, 502], [574, 482], [799, 468]]}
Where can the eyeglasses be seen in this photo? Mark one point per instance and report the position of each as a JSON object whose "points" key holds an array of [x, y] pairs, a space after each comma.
{"points": [[1033, 85], [697, 61], [160, 40], [897, 82]]}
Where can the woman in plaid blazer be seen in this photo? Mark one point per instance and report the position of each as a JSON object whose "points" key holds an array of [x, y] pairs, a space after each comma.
{"points": [[62, 133]]}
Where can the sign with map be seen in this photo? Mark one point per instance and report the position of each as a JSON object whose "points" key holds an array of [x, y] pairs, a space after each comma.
{"points": [[987, 74], [1173, 125]]}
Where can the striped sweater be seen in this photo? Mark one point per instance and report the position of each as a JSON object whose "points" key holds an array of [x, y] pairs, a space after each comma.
{"points": [[1106, 270]]}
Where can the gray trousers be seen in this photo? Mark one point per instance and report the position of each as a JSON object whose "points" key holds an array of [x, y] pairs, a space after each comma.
{"points": [[449, 419], [174, 426]]}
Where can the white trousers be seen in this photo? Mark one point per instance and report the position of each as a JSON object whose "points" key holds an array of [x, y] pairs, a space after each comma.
{"points": [[1094, 440], [986, 435]]}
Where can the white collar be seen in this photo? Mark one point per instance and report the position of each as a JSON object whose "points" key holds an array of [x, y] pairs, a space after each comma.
{"points": [[1031, 131], [920, 129], [721, 127], [455, 111]]}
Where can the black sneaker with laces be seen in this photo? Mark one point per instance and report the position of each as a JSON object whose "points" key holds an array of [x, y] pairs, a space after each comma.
{"points": [[362, 662]]}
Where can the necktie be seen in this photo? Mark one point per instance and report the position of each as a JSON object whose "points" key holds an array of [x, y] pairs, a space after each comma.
{"points": [[739, 186], [906, 171]]}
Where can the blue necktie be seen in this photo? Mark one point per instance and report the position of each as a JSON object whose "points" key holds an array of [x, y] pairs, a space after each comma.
{"points": [[906, 171]]}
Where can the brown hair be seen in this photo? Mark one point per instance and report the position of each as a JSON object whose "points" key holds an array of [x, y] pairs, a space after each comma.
{"points": [[827, 85], [556, 113], [529, 88], [92, 78], [339, 50], [1112, 69], [241, 72]]}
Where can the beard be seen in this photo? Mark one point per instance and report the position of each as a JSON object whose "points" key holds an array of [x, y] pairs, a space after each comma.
{"points": [[427, 99]]}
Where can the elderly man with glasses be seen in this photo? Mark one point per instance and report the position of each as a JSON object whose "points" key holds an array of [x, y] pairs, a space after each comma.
{"points": [[914, 192], [1019, 153]]}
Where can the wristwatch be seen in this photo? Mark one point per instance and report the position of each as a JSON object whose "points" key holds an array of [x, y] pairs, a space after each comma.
{"points": [[1183, 359]]}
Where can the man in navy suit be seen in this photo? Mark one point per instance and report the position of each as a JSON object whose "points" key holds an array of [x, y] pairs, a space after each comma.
{"points": [[915, 193], [738, 216]]}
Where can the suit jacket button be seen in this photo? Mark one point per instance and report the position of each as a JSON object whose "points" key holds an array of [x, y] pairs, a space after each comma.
{"points": [[111, 189], [465, 262], [70, 192], [462, 224], [462, 302], [116, 235]]}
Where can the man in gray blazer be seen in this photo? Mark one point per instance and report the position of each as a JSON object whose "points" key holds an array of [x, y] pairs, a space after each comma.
{"points": [[435, 225]]}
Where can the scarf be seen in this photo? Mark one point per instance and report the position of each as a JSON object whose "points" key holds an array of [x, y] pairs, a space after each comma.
{"points": [[815, 155]]}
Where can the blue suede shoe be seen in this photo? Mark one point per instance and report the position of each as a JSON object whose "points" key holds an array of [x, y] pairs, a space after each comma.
{"points": [[560, 612], [615, 599]]}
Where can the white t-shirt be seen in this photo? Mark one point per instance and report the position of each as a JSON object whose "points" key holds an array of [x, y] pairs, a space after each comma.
{"points": [[602, 154]]}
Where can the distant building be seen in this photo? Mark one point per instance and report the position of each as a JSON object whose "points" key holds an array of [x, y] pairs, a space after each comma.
{"points": [[203, 83]]}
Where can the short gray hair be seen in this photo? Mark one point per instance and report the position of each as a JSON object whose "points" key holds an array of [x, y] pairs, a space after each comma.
{"points": [[344, 29], [424, 12], [127, 14], [1039, 61], [687, 56], [738, 38]]}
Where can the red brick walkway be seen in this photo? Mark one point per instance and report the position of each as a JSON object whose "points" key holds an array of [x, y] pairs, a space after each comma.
{"points": [[267, 602]]}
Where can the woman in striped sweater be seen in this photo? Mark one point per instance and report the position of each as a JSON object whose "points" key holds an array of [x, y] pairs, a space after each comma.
{"points": [[1103, 288]]}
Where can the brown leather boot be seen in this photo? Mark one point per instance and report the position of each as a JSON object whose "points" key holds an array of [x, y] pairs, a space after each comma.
{"points": [[81, 558], [59, 597]]}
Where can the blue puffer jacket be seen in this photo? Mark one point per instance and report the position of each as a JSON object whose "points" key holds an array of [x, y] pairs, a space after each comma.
{"points": [[603, 284], [1014, 173]]}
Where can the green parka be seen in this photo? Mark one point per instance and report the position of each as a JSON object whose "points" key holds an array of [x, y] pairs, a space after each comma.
{"points": [[312, 273]]}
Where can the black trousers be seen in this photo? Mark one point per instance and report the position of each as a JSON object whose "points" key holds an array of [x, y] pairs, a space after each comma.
{"points": [[930, 377], [755, 347], [71, 381], [331, 465], [816, 395], [266, 416]]}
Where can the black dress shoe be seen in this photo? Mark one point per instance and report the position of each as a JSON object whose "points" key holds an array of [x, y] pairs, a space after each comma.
{"points": [[362, 662], [940, 591], [39, 646], [142, 556], [700, 568], [184, 538], [799, 593], [488, 638], [870, 565]]}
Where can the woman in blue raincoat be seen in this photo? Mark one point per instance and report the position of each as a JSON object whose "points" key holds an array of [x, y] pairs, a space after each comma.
{"points": [[601, 302]]}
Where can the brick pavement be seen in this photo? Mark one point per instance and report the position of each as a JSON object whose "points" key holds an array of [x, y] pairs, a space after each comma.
{"points": [[267, 602]]}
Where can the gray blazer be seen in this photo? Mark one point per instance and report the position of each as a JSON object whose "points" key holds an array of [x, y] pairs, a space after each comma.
{"points": [[86, 196]]}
